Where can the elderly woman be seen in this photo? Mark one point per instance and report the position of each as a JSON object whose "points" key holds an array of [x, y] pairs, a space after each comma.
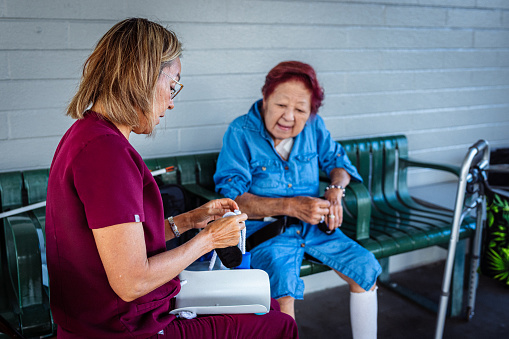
{"points": [[270, 164], [110, 273]]}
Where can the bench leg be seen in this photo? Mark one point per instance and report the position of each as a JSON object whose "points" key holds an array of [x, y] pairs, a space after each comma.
{"points": [[456, 303], [384, 280], [385, 276]]}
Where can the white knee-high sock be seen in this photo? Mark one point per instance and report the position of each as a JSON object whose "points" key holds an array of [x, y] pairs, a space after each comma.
{"points": [[364, 314]]}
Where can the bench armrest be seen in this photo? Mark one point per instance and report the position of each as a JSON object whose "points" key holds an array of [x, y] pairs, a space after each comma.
{"points": [[441, 167], [358, 201]]}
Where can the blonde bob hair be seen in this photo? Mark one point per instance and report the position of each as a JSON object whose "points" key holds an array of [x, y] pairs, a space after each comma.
{"points": [[123, 69]]}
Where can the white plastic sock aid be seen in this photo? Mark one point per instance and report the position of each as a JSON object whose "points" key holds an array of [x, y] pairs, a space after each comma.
{"points": [[223, 292]]}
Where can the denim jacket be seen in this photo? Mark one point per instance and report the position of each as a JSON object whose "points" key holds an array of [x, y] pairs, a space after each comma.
{"points": [[248, 161]]}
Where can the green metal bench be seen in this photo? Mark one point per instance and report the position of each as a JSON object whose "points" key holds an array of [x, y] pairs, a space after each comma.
{"points": [[380, 214], [24, 298]]}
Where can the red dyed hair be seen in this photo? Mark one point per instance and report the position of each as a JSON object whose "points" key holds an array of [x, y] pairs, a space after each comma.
{"points": [[295, 70]]}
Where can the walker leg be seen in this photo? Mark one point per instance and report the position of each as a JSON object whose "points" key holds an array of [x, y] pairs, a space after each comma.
{"points": [[446, 283], [474, 264]]}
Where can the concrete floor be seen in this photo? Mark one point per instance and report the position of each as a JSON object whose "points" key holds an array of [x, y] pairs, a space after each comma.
{"points": [[325, 314]]}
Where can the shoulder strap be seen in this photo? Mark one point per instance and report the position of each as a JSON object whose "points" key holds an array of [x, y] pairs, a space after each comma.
{"points": [[270, 231]]}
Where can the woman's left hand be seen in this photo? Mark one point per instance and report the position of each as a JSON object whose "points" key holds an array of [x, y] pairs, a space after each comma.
{"points": [[335, 217], [212, 210]]}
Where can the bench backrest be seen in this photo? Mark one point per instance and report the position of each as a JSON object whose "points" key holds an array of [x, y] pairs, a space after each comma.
{"points": [[188, 169], [376, 160]]}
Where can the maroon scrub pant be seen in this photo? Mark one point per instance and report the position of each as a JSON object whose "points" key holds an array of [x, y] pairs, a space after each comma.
{"points": [[274, 325]]}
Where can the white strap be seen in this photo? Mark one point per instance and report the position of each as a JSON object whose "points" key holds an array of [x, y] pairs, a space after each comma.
{"points": [[212, 261]]}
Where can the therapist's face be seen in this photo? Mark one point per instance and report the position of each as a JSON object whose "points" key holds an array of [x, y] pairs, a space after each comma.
{"points": [[163, 100], [286, 110]]}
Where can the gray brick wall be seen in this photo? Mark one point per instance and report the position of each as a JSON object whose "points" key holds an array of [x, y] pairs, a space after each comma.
{"points": [[434, 70]]}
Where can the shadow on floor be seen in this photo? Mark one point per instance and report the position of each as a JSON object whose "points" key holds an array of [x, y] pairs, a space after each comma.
{"points": [[325, 314]]}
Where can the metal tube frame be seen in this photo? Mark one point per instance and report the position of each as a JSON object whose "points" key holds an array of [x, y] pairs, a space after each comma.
{"points": [[460, 211]]}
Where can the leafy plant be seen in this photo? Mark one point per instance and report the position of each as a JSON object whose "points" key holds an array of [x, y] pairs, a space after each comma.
{"points": [[499, 264], [496, 253]]}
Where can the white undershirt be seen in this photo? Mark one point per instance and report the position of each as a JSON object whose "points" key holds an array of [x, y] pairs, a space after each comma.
{"points": [[284, 148]]}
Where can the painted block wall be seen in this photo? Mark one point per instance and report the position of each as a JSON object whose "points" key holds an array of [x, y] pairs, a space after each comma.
{"points": [[434, 70]]}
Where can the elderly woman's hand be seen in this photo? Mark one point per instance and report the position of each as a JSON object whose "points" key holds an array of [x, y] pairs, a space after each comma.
{"points": [[212, 210], [309, 209], [334, 218]]}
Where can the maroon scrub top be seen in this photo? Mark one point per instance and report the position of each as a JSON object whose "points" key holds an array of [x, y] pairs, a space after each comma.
{"points": [[97, 179]]}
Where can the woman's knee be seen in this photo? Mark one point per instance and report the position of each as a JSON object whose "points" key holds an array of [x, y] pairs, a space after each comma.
{"points": [[354, 287], [286, 305]]}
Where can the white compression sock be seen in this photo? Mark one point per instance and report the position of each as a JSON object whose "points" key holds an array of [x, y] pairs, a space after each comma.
{"points": [[364, 314]]}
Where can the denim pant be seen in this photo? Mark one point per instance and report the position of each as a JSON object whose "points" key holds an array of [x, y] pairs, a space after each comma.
{"points": [[281, 257]]}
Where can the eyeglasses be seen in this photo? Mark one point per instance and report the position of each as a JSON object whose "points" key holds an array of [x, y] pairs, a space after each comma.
{"points": [[177, 88]]}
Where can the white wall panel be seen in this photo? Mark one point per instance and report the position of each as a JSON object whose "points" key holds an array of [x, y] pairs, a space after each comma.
{"points": [[491, 39], [307, 13], [4, 126], [33, 34], [4, 66], [49, 64], [27, 124], [412, 16], [434, 70]]}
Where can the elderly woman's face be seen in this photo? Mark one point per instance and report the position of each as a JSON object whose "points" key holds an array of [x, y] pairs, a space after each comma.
{"points": [[286, 110]]}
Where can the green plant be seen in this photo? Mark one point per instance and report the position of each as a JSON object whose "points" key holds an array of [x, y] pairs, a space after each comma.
{"points": [[499, 264], [496, 253]]}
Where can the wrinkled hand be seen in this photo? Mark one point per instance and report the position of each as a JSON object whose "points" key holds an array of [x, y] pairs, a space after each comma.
{"points": [[334, 196], [225, 232], [212, 210], [309, 209]]}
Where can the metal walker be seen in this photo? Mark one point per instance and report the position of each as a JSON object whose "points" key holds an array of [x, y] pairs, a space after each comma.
{"points": [[471, 181]]}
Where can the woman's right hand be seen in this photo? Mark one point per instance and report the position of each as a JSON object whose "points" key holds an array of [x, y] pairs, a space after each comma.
{"points": [[212, 210], [309, 209], [225, 232]]}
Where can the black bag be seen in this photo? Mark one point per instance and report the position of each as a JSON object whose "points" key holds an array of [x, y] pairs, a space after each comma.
{"points": [[174, 200]]}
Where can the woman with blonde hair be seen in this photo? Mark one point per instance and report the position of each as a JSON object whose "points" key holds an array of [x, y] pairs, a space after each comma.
{"points": [[110, 273]]}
